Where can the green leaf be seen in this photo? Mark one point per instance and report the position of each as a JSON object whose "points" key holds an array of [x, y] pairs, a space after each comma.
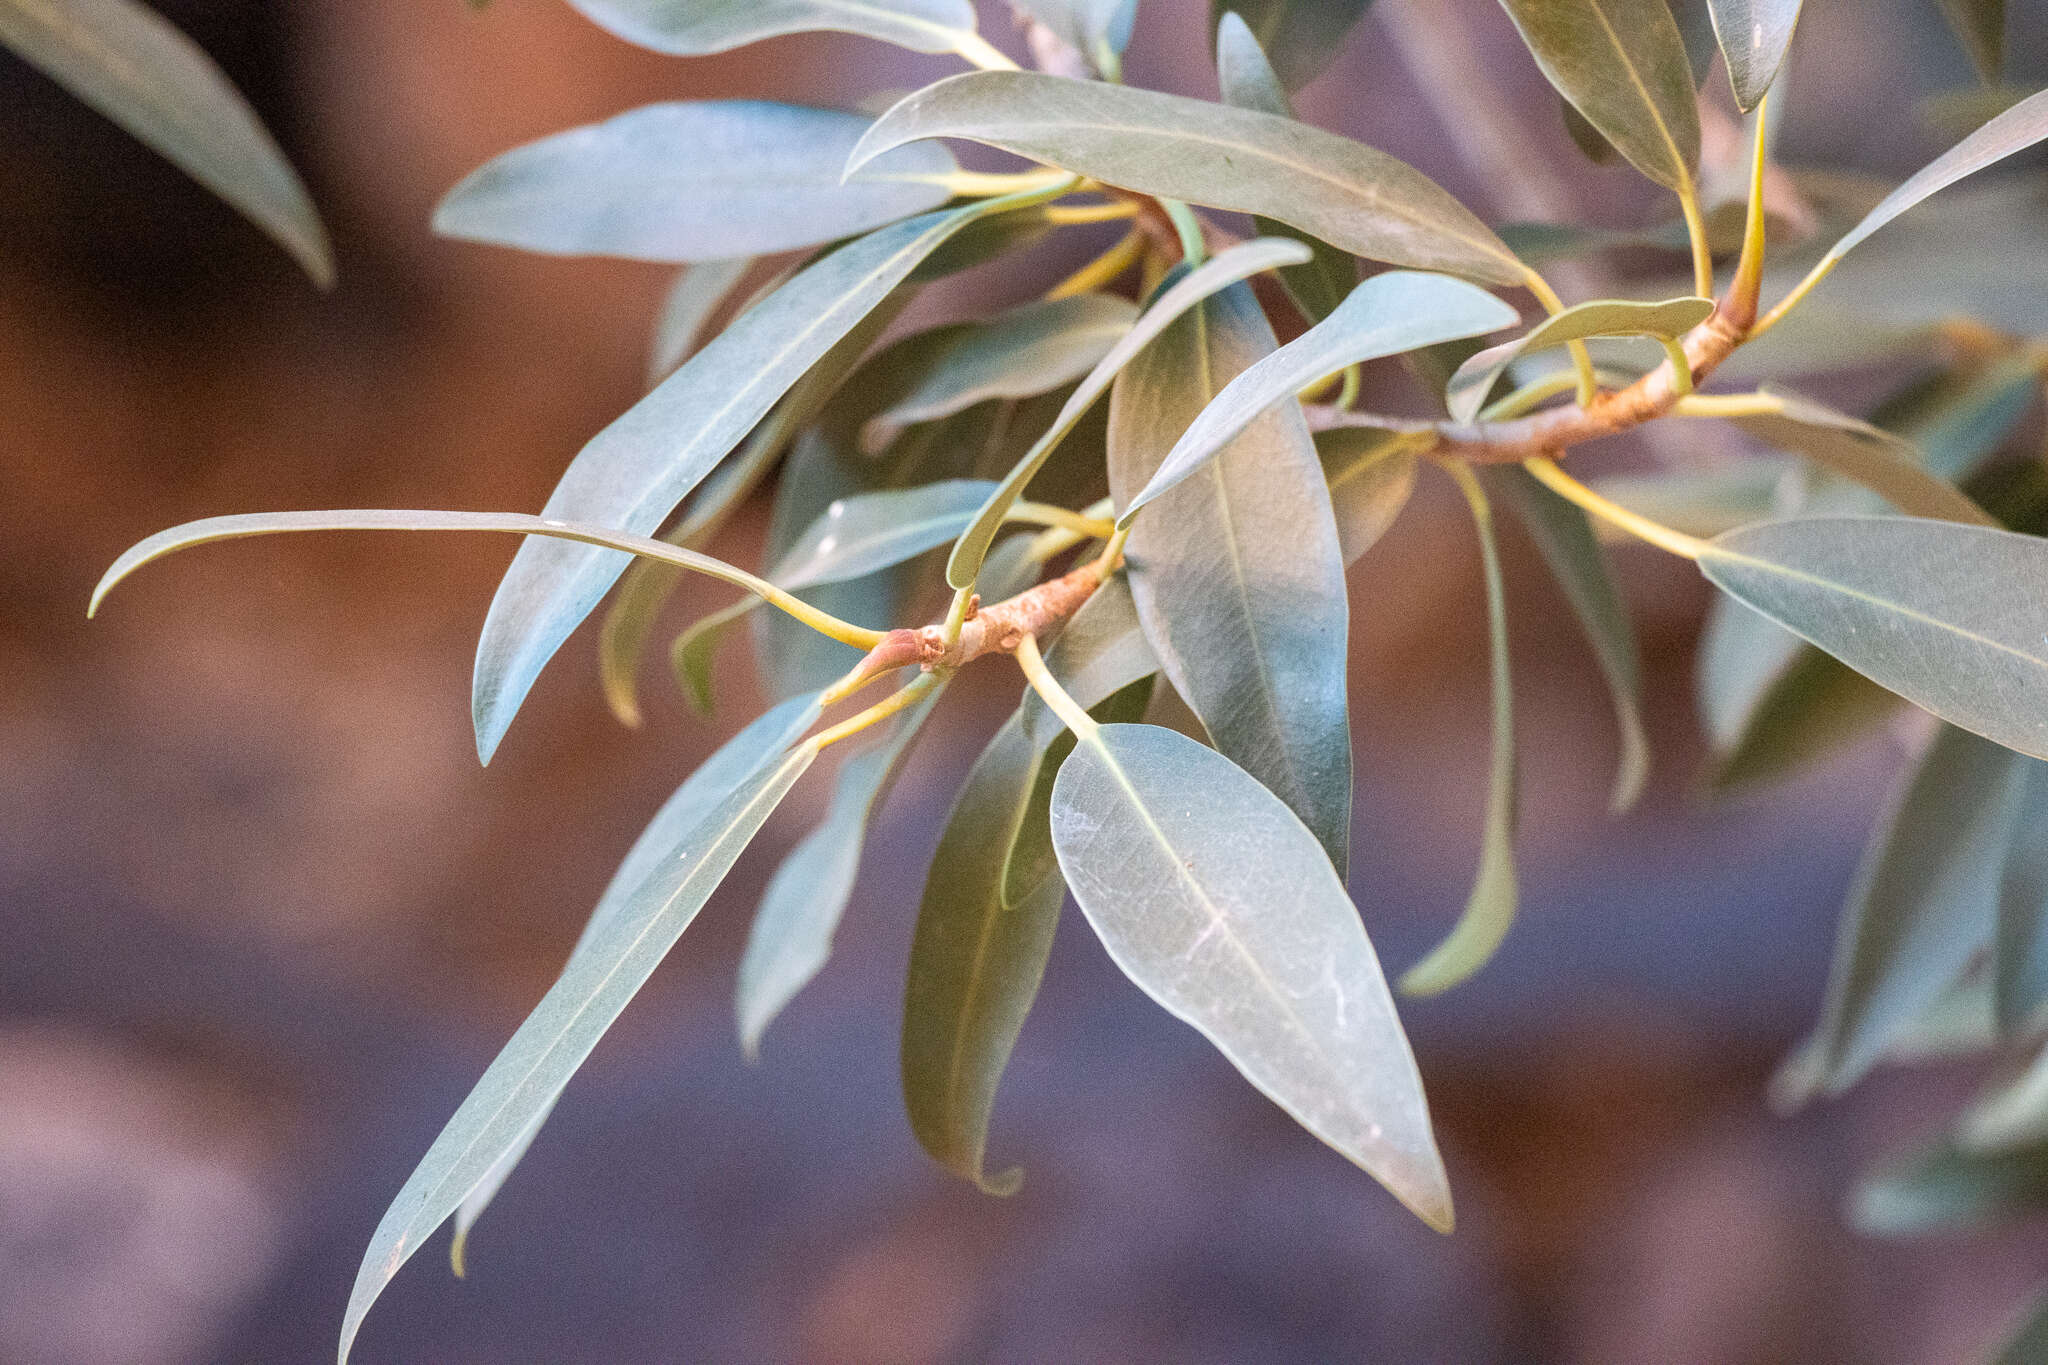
{"points": [[695, 28], [704, 180], [1565, 539], [685, 311], [1953, 618], [1237, 572], [1966, 423], [525, 1079], [1224, 269], [1623, 65], [1302, 35], [1370, 475], [1101, 650], [1388, 314], [1700, 502], [1469, 387], [1923, 902], [1220, 904], [1873, 457], [635, 471], [1018, 354], [1330, 187], [868, 531], [1946, 1189], [678, 820], [1754, 36], [1490, 910], [1097, 29], [1980, 26], [1584, 135], [2011, 1113], [2019, 950], [1806, 706], [134, 67], [791, 937]]}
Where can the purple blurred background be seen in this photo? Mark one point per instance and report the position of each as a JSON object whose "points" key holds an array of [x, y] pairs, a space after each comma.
{"points": [[263, 919]]}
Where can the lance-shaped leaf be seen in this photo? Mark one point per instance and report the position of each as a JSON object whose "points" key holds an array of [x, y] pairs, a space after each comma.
{"points": [[1330, 187], [1302, 35], [519, 1086], [686, 309], [1226, 268], [1248, 82], [868, 531], [1953, 618], [1238, 572], [1622, 64], [702, 180], [791, 936], [2019, 951], [1097, 29], [1754, 36], [1019, 354], [1496, 890], [1388, 314], [635, 471], [1980, 27], [134, 67], [1219, 903], [1806, 705], [2012, 1113], [679, 818], [1872, 456], [1946, 1189], [1371, 475], [694, 28], [1474, 380], [1565, 539], [1923, 902]]}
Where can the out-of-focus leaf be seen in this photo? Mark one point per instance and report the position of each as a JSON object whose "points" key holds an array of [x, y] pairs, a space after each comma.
{"points": [[133, 66], [2026, 1343], [517, 1089], [1541, 243], [2010, 1114], [1565, 539], [1248, 82], [1923, 903], [1097, 29], [1965, 424], [1238, 572], [635, 471], [1961, 112], [1810, 705], [1950, 1190], [1490, 910], [1370, 476], [702, 180], [1386, 315], [1980, 26], [1754, 35], [1873, 457], [1623, 65], [1700, 502], [1467, 392], [2019, 950], [1302, 36], [1953, 618], [1332, 188], [694, 28], [1219, 903], [685, 310]]}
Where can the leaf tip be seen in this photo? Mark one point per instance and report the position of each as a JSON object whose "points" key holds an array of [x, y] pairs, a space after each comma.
{"points": [[457, 1246], [1003, 1184]]}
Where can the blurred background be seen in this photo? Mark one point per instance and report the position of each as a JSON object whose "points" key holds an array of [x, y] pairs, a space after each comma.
{"points": [[263, 919]]}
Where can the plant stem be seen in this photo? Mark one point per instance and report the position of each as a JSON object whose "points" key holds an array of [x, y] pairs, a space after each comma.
{"points": [[1582, 359], [1192, 249], [1656, 533], [976, 49], [1793, 299], [1696, 233], [1529, 395], [1728, 405], [1749, 268], [989, 184], [1069, 215], [1102, 269], [908, 695], [1049, 690], [1044, 514]]}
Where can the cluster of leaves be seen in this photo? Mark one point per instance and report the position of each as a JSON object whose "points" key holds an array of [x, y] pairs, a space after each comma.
{"points": [[1208, 513]]}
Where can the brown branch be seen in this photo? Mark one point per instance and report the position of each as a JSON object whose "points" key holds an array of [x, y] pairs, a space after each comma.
{"points": [[995, 630]]}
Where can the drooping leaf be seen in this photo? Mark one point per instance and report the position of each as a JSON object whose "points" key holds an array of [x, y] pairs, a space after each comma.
{"points": [[1467, 392], [686, 309], [1370, 475], [1238, 572], [1873, 457], [1302, 36], [1564, 537], [1809, 706], [635, 471], [1980, 26], [1622, 64], [694, 28], [702, 180], [1097, 29], [2011, 1113], [1347, 194], [1923, 903], [500, 1113], [1031, 859], [1946, 1189], [1220, 904], [1388, 314], [1496, 892], [1754, 36], [133, 66], [2019, 950]]}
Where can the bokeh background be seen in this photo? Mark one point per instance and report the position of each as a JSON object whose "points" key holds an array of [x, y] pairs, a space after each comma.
{"points": [[263, 919]]}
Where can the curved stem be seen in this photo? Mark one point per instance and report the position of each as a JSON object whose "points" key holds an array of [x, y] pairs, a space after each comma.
{"points": [[1069, 215], [1582, 359], [1696, 233], [1192, 248], [1656, 533], [1044, 514], [1049, 690], [908, 695], [1102, 269], [976, 49]]}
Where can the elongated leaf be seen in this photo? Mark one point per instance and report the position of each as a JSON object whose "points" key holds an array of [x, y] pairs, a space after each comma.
{"points": [[1030, 858], [1226, 268], [685, 311], [1565, 539], [791, 937], [869, 531], [1953, 618], [1496, 891], [1946, 1189], [1388, 314], [1809, 706], [1467, 392], [1370, 475], [1238, 572], [1301, 35], [1754, 36], [133, 66], [635, 471], [1097, 29], [679, 818], [1923, 903], [2012, 1113], [2019, 951], [702, 180], [1873, 457], [1967, 422], [1700, 502], [693, 28], [1980, 26], [1101, 651], [1623, 65], [1027, 351], [1343, 192], [1219, 903], [543, 1054]]}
